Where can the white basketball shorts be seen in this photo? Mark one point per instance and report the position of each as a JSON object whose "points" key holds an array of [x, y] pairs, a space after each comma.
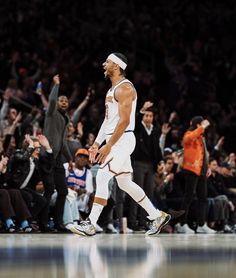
{"points": [[118, 160]]}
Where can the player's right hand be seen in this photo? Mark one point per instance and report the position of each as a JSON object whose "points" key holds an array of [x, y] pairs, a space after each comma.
{"points": [[93, 150]]}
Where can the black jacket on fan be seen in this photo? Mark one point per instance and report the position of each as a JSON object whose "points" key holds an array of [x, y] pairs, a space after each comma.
{"points": [[55, 126], [147, 147], [19, 168]]}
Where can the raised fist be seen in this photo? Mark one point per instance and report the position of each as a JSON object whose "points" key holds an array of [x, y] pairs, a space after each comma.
{"points": [[56, 79], [205, 124]]}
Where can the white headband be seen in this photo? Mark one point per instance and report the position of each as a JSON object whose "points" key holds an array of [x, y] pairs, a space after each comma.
{"points": [[117, 61]]}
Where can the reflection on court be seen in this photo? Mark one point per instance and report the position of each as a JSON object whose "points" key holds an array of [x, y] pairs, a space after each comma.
{"points": [[105, 256]]}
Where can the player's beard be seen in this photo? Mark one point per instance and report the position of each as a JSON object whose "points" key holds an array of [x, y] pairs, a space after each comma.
{"points": [[107, 76]]}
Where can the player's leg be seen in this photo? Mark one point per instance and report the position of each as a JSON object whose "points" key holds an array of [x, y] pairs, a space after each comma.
{"points": [[87, 227], [158, 218]]}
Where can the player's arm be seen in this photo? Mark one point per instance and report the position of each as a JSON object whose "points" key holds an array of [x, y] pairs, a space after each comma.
{"points": [[97, 143], [125, 96]]}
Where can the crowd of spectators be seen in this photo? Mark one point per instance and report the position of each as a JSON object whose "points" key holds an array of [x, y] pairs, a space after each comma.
{"points": [[181, 56]]}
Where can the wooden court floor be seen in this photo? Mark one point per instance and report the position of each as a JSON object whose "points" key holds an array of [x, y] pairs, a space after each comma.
{"points": [[133, 256]]}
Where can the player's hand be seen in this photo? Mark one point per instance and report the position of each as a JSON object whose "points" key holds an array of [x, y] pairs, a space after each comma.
{"points": [[93, 150], [103, 153]]}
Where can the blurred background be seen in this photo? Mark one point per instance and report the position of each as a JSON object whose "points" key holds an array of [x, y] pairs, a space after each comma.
{"points": [[181, 56]]}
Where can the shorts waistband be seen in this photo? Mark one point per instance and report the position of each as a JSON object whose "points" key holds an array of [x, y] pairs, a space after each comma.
{"points": [[124, 132]]}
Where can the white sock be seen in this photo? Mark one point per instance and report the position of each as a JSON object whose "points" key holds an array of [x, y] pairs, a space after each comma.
{"points": [[136, 192], [150, 209], [95, 213]]}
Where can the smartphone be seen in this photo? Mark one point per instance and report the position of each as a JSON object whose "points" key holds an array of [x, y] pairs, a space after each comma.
{"points": [[39, 88]]}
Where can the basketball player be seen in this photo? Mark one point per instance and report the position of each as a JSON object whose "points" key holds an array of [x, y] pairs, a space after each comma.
{"points": [[114, 156]]}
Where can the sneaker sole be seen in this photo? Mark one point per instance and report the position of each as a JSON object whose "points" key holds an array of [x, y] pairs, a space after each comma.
{"points": [[78, 232], [166, 221]]}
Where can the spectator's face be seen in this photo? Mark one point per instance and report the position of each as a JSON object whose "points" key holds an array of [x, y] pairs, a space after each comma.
{"points": [[148, 118], [175, 133], [71, 129], [169, 165], [40, 187], [213, 166], [81, 161], [63, 103], [12, 114], [94, 113], [36, 151], [90, 139]]}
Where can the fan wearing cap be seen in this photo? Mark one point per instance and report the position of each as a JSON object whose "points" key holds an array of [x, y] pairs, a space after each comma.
{"points": [[114, 157], [80, 188]]}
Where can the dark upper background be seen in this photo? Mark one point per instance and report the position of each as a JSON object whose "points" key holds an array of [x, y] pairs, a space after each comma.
{"points": [[181, 55]]}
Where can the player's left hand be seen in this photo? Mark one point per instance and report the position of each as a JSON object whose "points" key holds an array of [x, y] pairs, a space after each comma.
{"points": [[103, 153]]}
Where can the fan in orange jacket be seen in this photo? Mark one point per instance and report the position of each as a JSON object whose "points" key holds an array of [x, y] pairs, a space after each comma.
{"points": [[195, 166], [194, 150]]}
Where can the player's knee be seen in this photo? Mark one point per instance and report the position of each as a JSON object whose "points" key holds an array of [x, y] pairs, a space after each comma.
{"points": [[102, 180], [102, 177], [123, 181]]}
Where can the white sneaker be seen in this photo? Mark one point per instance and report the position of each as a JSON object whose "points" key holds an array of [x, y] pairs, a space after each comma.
{"points": [[158, 223], [85, 228], [98, 229], [70, 226], [129, 231], [227, 229], [205, 230], [234, 228], [111, 229], [183, 229]]}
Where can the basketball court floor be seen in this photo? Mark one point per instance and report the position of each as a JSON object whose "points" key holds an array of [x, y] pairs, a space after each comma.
{"points": [[105, 255]]}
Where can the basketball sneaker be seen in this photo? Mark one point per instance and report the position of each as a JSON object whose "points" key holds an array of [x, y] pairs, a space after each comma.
{"points": [[183, 229], [158, 223], [205, 230], [84, 228]]}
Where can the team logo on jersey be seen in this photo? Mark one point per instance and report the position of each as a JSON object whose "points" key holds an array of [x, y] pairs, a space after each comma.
{"points": [[109, 99]]}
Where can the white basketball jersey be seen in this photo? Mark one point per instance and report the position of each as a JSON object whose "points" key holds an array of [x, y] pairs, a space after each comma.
{"points": [[112, 112]]}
